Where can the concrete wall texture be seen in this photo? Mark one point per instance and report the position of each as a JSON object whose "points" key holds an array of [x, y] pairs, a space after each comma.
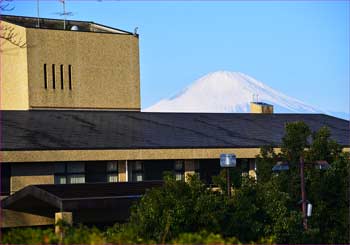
{"points": [[10, 218], [13, 70], [26, 174]]}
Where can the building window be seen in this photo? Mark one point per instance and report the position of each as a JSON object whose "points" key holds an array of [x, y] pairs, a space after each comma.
{"points": [[112, 171], [243, 165], [45, 76], [62, 80], [197, 168], [137, 169], [69, 173], [5, 169], [179, 167], [70, 76], [53, 76]]}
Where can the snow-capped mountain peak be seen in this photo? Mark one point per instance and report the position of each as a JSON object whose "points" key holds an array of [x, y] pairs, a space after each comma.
{"points": [[225, 91]]}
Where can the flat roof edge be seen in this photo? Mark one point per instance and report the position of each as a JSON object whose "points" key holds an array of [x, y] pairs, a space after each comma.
{"points": [[112, 29]]}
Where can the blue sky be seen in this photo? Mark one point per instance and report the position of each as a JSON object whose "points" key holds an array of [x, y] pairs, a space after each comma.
{"points": [[299, 48]]}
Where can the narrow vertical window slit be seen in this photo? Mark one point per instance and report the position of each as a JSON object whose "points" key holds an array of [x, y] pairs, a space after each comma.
{"points": [[45, 77], [70, 76], [53, 77], [62, 81]]}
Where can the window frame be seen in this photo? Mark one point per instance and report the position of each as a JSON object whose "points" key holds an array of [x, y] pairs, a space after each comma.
{"points": [[179, 171], [138, 171], [67, 174], [111, 172]]}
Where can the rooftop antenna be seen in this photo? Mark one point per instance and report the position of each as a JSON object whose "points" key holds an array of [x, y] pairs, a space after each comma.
{"points": [[64, 13], [255, 98], [38, 13]]}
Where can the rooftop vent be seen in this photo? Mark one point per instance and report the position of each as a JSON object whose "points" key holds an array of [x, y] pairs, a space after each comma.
{"points": [[74, 28]]}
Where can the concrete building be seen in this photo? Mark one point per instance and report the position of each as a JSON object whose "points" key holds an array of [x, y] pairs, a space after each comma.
{"points": [[93, 67], [73, 142]]}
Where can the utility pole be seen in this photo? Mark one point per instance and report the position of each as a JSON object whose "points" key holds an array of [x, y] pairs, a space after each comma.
{"points": [[228, 161], [306, 209], [303, 192], [228, 182]]}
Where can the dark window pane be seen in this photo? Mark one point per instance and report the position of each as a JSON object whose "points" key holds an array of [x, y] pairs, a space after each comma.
{"points": [[60, 168], [76, 167], [45, 76], [5, 178], [95, 172]]}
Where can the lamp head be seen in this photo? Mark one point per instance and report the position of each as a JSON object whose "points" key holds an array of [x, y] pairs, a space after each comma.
{"points": [[228, 160]]}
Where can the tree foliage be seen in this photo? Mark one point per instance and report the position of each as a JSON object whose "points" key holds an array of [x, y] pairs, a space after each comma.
{"points": [[327, 190], [164, 213]]}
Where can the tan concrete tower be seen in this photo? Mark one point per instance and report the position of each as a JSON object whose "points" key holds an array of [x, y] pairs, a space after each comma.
{"points": [[85, 66]]}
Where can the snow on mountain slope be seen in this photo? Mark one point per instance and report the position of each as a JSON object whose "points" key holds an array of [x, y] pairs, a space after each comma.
{"points": [[224, 91]]}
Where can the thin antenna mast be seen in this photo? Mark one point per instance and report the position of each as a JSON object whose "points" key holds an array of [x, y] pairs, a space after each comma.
{"points": [[38, 13], [64, 13], [255, 97]]}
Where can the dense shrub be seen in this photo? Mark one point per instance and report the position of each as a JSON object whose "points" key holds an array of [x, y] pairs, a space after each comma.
{"points": [[29, 236], [203, 237], [83, 235]]}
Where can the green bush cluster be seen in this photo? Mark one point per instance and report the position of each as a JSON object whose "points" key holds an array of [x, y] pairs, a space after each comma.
{"points": [[70, 235], [29, 236], [117, 234]]}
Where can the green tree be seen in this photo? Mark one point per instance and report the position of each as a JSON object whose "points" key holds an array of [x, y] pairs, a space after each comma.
{"points": [[266, 161], [177, 207], [327, 190], [295, 141]]}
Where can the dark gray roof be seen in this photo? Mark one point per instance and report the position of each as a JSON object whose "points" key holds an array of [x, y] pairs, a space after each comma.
{"points": [[59, 130]]}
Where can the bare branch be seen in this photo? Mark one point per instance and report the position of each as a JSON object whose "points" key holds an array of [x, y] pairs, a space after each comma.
{"points": [[8, 33]]}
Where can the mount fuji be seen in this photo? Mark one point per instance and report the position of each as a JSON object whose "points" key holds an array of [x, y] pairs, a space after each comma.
{"points": [[224, 91]]}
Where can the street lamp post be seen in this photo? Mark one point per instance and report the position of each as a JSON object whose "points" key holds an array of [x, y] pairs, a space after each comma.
{"points": [[228, 161], [303, 192], [282, 166]]}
